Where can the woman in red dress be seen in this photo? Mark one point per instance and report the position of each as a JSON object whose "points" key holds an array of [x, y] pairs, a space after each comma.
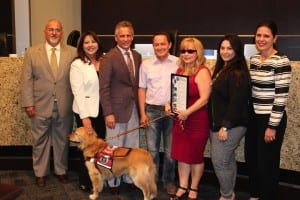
{"points": [[191, 126]]}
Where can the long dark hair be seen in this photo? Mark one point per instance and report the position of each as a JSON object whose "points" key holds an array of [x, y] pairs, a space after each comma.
{"points": [[80, 52], [237, 64]]}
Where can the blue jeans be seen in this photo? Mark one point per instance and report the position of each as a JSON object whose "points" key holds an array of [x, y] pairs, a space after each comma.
{"points": [[154, 132], [223, 158]]}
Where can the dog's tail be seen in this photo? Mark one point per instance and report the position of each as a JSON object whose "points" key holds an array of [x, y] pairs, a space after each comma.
{"points": [[152, 182]]}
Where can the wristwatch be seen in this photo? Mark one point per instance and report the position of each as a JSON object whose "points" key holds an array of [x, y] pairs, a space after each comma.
{"points": [[224, 129]]}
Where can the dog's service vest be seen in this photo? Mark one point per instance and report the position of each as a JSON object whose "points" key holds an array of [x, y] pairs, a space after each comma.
{"points": [[104, 158]]}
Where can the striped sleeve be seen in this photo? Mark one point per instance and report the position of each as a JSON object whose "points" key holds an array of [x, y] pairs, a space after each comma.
{"points": [[282, 82]]}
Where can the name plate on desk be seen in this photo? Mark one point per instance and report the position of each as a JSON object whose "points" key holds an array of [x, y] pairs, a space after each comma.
{"points": [[179, 92]]}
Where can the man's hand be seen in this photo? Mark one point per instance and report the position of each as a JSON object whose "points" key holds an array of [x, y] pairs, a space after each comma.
{"points": [[110, 121], [30, 111], [144, 121]]}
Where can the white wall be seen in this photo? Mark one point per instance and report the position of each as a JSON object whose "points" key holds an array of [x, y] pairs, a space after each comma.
{"points": [[66, 11], [22, 25]]}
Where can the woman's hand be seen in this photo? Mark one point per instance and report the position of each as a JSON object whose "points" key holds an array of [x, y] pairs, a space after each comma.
{"points": [[182, 114], [270, 135], [87, 124], [222, 135]]}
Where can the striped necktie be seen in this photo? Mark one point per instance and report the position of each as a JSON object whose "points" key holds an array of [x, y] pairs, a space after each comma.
{"points": [[130, 66]]}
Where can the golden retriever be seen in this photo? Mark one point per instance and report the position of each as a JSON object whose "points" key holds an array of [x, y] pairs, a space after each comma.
{"points": [[138, 164]]}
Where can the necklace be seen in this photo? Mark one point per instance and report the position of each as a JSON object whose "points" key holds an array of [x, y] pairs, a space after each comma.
{"points": [[263, 58], [218, 74]]}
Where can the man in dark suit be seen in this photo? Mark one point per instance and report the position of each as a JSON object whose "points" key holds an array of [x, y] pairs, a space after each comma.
{"points": [[47, 99], [118, 92]]}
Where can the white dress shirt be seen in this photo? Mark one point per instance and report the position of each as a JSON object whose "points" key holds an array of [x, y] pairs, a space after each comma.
{"points": [[155, 77]]}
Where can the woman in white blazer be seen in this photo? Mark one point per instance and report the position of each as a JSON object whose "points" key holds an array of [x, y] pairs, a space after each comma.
{"points": [[85, 87]]}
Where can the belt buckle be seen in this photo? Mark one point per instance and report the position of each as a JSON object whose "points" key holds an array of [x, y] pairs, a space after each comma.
{"points": [[162, 108], [157, 107]]}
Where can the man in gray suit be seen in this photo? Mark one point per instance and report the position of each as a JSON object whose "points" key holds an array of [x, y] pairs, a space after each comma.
{"points": [[47, 99], [118, 90]]}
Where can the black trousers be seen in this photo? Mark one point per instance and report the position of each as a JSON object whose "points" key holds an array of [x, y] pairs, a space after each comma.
{"points": [[263, 159], [98, 124]]}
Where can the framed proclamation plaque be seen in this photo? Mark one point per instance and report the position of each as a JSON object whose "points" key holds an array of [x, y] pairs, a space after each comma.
{"points": [[179, 92]]}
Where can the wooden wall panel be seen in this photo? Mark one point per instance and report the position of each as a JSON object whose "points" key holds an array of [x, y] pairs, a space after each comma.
{"points": [[196, 17]]}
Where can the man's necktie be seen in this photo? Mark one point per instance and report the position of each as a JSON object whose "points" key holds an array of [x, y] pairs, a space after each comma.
{"points": [[130, 66], [53, 62]]}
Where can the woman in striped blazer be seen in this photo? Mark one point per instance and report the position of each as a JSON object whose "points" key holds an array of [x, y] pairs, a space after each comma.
{"points": [[270, 73]]}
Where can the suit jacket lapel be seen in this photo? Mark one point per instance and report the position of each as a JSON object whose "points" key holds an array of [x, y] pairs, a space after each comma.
{"points": [[124, 64], [43, 57], [121, 57], [136, 61], [62, 61]]}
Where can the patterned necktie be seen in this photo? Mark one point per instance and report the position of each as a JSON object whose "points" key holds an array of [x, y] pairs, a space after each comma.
{"points": [[53, 62], [130, 66]]}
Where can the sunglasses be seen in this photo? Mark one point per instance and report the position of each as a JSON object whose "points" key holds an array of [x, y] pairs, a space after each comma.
{"points": [[189, 51]]}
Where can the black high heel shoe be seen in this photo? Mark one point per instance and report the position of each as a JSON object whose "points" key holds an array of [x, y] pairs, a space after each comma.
{"points": [[175, 197], [194, 190]]}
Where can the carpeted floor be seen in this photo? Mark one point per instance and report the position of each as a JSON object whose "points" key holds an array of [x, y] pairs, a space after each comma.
{"points": [[54, 190]]}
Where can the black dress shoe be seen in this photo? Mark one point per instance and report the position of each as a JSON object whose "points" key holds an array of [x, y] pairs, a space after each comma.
{"points": [[41, 181], [63, 178], [85, 188], [114, 190], [170, 188]]}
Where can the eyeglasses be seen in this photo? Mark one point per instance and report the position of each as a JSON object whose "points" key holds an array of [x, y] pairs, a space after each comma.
{"points": [[189, 51], [54, 29]]}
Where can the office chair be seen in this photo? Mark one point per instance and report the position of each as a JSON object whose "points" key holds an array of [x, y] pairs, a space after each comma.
{"points": [[73, 38], [3, 44], [174, 39]]}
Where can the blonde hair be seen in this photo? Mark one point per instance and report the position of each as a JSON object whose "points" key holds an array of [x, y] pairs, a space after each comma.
{"points": [[200, 60]]}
